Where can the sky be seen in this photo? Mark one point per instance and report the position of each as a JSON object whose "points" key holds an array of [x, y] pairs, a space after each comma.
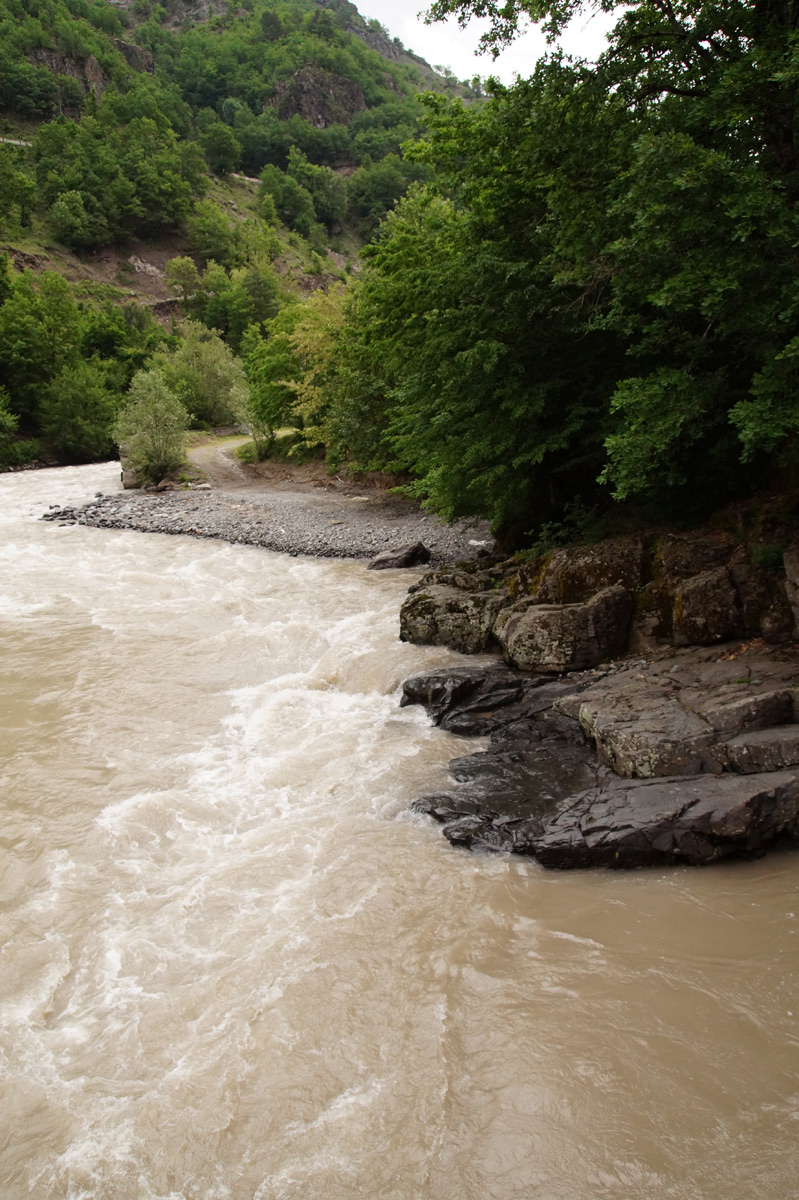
{"points": [[445, 44]]}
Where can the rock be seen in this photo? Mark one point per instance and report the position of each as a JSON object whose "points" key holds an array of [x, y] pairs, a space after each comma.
{"points": [[568, 637], [574, 576], [445, 616], [634, 823], [729, 716], [404, 556], [679, 556], [706, 609], [640, 735], [791, 561], [130, 478], [761, 750], [464, 699], [321, 97], [687, 752]]}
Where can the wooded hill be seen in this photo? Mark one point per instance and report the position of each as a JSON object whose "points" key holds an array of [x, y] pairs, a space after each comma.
{"points": [[579, 300]]}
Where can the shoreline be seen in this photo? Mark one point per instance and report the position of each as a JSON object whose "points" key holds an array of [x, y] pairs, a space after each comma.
{"points": [[317, 524]]}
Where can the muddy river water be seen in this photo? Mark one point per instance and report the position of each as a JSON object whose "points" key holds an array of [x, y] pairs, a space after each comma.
{"points": [[235, 968]]}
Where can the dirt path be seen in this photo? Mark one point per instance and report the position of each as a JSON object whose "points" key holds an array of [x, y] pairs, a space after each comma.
{"points": [[217, 463]]}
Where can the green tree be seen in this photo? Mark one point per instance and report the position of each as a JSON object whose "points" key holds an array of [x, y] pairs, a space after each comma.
{"points": [[78, 409], [203, 374], [212, 236], [222, 149], [151, 426]]}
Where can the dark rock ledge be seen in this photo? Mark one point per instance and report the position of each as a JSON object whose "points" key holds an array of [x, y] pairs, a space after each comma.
{"points": [[684, 752], [684, 760]]}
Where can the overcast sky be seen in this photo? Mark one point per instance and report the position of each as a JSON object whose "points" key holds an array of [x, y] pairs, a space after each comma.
{"points": [[445, 44]]}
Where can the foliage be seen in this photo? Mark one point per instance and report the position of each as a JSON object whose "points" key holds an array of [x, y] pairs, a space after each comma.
{"points": [[271, 368], [77, 411], [202, 373], [212, 236], [151, 426]]}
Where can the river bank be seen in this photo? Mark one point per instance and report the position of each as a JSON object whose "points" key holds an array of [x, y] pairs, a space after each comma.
{"points": [[351, 523], [599, 755]]}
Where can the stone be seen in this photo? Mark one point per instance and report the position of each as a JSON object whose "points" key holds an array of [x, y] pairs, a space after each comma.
{"points": [[411, 555], [568, 637], [791, 562], [322, 97], [130, 478], [706, 609], [640, 735], [574, 576], [680, 556], [761, 750], [631, 823], [446, 616], [730, 716]]}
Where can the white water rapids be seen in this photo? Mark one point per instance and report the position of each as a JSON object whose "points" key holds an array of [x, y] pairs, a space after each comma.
{"points": [[235, 968]]}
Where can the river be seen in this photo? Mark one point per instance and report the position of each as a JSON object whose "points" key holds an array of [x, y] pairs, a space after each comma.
{"points": [[235, 968]]}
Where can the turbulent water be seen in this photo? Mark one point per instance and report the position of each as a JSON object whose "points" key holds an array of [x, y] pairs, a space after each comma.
{"points": [[235, 968]]}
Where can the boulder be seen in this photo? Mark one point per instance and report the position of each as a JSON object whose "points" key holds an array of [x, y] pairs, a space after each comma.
{"points": [[679, 556], [567, 637], [706, 609], [632, 823], [446, 616], [574, 576], [412, 555]]}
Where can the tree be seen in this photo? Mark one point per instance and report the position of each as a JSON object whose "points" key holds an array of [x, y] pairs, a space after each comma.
{"points": [[211, 234], [203, 374], [150, 427], [271, 368], [77, 413], [181, 276], [222, 149]]}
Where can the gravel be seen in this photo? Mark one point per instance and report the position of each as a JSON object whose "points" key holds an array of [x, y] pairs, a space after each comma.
{"points": [[319, 525]]}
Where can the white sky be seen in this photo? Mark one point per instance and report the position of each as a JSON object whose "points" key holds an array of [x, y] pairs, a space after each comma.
{"points": [[445, 44]]}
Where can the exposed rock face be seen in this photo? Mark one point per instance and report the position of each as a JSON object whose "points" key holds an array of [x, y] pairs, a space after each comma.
{"points": [[376, 41], [448, 616], [633, 824], [791, 559], [683, 760], [135, 56], [404, 556], [566, 637], [322, 97], [706, 609], [684, 590], [87, 72]]}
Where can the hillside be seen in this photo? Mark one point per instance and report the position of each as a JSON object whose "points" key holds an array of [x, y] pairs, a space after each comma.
{"points": [[189, 160]]}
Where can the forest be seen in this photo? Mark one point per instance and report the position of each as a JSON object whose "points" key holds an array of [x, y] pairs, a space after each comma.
{"points": [[563, 300]]}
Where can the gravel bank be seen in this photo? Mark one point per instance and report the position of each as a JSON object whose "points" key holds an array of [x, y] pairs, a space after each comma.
{"points": [[319, 525]]}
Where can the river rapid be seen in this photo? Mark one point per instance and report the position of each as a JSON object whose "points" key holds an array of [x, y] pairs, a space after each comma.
{"points": [[234, 967]]}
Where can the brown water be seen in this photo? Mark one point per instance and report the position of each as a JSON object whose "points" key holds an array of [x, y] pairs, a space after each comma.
{"points": [[235, 968]]}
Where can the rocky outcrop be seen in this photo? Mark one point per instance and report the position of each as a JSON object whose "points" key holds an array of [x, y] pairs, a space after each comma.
{"points": [[565, 637], [321, 97], [135, 56], [683, 759], [447, 616], [87, 72], [675, 589], [635, 824]]}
